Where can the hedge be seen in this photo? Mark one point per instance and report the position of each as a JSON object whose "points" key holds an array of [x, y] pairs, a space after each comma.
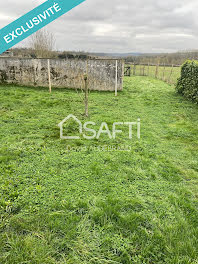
{"points": [[187, 84]]}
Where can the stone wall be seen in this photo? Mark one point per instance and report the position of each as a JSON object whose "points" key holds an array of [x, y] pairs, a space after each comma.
{"points": [[64, 73]]}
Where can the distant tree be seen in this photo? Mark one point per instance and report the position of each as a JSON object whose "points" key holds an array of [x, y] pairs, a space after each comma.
{"points": [[42, 43], [176, 58], [74, 55]]}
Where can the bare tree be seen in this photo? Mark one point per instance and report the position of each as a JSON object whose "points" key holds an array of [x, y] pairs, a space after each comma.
{"points": [[42, 42]]}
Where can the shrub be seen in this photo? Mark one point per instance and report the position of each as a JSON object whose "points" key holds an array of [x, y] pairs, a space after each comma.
{"points": [[187, 84]]}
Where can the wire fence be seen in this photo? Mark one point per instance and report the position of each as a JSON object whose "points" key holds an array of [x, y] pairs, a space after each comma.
{"points": [[166, 73]]}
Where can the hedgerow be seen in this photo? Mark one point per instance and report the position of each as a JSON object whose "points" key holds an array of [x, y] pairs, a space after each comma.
{"points": [[187, 84]]}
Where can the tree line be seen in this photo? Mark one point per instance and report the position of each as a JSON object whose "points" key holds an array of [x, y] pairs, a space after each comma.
{"points": [[177, 58]]}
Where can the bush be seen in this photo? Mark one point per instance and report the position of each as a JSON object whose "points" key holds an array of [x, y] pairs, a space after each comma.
{"points": [[187, 84]]}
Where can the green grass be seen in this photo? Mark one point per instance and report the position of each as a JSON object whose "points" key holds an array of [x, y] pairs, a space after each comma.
{"points": [[95, 207], [169, 75]]}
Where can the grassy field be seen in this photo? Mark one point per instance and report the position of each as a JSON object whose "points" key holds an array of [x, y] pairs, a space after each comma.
{"points": [[97, 207], [167, 74]]}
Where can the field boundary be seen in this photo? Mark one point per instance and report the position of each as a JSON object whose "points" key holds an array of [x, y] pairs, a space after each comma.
{"points": [[103, 75], [165, 72]]}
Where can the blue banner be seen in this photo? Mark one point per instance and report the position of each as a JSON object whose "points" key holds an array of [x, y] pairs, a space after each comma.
{"points": [[33, 21]]}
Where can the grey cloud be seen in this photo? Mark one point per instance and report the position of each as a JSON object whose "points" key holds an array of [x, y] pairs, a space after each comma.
{"points": [[113, 26]]}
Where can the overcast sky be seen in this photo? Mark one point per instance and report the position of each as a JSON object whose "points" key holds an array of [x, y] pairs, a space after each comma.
{"points": [[118, 26]]}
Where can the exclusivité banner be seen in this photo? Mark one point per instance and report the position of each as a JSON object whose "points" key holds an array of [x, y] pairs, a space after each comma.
{"points": [[33, 21]]}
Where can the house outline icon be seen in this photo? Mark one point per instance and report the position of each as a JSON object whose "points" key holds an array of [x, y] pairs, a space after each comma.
{"points": [[65, 120]]}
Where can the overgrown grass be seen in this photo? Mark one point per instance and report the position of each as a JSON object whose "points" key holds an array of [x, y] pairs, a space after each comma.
{"points": [[99, 207]]}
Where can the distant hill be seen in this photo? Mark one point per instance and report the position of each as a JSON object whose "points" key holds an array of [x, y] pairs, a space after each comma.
{"points": [[123, 55], [116, 55]]}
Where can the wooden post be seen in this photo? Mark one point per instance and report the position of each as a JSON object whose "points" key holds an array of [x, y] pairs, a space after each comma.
{"points": [[116, 79], [164, 73], [143, 70], [169, 80], [156, 71], [34, 72], [49, 76], [86, 95], [123, 64], [148, 69], [134, 69]]}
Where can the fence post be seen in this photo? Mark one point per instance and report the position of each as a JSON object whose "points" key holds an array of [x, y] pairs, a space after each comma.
{"points": [[143, 70], [49, 76], [116, 79], [169, 80], [34, 71], [123, 64], [134, 70], [156, 71], [86, 96], [148, 69], [164, 73]]}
